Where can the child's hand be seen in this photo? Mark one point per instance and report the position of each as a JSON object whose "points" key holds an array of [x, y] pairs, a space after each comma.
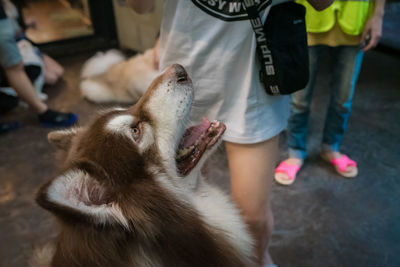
{"points": [[372, 32]]}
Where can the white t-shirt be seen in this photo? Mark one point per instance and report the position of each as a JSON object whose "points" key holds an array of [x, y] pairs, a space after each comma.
{"points": [[216, 44]]}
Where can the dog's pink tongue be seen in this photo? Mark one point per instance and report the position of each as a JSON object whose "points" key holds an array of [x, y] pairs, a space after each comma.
{"points": [[196, 131]]}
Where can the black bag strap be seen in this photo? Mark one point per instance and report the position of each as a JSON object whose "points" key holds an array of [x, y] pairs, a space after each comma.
{"points": [[267, 72]]}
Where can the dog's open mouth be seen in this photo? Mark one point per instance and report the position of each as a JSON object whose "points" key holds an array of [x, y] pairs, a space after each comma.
{"points": [[195, 141]]}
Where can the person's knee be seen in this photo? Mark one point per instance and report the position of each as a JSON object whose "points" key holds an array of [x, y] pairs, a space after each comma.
{"points": [[51, 79], [60, 72]]}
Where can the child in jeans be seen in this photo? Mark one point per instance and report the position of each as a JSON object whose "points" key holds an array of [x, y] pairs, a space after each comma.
{"points": [[341, 31]]}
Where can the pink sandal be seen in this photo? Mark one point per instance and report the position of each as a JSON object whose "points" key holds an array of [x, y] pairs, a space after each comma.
{"points": [[341, 164], [285, 174]]}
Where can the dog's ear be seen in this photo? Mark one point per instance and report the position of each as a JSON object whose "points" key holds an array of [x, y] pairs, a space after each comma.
{"points": [[76, 196], [62, 139]]}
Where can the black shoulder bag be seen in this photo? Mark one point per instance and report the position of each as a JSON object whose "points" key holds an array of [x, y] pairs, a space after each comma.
{"points": [[281, 47]]}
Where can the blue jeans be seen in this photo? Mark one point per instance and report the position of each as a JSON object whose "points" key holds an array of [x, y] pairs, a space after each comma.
{"points": [[345, 68]]}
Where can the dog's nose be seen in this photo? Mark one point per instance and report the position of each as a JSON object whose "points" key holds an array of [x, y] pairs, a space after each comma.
{"points": [[178, 72], [181, 74]]}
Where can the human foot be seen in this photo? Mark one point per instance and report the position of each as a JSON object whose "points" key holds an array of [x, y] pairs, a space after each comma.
{"points": [[6, 127], [285, 173], [342, 163], [52, 118]]}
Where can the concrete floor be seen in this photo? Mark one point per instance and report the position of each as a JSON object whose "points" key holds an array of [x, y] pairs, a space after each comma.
{"points": [[321, 220]]}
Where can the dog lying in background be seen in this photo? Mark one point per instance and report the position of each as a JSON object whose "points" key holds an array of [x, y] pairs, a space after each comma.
{"points": [[131, 193], [110, 77]]}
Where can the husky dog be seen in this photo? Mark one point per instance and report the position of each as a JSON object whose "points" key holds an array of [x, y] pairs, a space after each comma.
{"points": [[110, 77], [130, 192]]}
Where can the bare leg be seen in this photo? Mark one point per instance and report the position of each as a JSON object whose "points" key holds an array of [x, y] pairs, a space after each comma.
{"points": [[251, 169], [20, 82], [52, 70]]}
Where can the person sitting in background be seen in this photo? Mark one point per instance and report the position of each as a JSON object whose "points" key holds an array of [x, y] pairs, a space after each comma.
{"points": [[341, 31], [51, 70], [11, 62]]}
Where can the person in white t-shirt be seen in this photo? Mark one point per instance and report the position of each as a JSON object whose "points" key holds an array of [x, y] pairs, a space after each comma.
{"points": [[215, 43]]}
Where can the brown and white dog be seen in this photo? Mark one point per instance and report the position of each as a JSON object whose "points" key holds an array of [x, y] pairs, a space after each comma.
{"points": [[110, 77], [131, 193]]}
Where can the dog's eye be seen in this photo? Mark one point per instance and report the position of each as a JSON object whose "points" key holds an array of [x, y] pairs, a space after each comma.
{"points": [[135, 132]]}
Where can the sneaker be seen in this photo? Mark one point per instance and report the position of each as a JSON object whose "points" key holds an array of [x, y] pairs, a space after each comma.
{"points": [[6, 127], [7, 102], [52, 118]]}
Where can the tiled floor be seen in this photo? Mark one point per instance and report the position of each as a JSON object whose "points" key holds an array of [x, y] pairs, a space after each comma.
{"points": [[322, 220]]}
